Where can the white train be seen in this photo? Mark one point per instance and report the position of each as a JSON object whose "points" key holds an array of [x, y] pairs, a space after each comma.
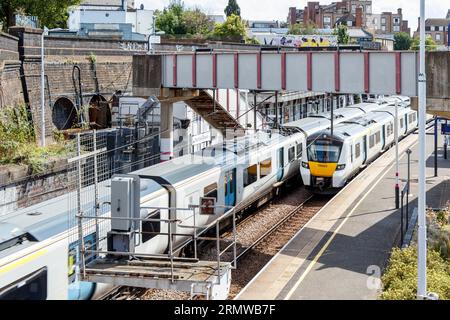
{"points": [[38, 256], [332, 160]]}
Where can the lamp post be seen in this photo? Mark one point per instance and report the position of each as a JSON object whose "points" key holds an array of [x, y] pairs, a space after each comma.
{"points": [[397, 182], [44, 32], [422, 232]]}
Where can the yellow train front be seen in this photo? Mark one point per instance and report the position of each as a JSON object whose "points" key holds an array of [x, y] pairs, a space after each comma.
{"points": [[322, 168]]}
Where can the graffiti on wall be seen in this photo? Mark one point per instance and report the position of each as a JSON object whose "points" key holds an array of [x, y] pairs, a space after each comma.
{"points": [[299, 41]]}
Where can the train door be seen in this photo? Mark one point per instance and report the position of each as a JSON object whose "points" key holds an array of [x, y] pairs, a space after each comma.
{"points": [[280, 161], [383, 136], [230, 188]]}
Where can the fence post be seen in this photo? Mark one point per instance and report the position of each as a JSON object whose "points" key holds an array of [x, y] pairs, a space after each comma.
{"points": [[79, 211], [97, 205], [401, 218], [218, 251]]}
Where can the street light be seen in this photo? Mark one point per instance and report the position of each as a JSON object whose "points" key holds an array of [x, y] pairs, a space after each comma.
{"points": [[44, 33], [397, 165], [422, 232]]}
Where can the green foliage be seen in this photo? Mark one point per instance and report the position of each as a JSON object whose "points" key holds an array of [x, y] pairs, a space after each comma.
{"points": [[92, 58], [177, 20], [303, 29], [51, 13], [341, 33], [402, 41], [232, 8], [400, 278], [18, 141], [430, 45], [252, 41], [439, 232], [170, 20], [232, 28], [197, 23]]}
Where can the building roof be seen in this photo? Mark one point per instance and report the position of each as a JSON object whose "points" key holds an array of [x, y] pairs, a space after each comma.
{"points": [[106, 3], [358, 33], [437, 22]]}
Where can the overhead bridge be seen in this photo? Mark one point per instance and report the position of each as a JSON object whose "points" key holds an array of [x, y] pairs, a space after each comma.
{"points": [[386, 73]]}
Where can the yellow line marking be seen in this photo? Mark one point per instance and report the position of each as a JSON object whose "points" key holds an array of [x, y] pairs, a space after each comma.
{"points": [[327, 244], [22, 261]]}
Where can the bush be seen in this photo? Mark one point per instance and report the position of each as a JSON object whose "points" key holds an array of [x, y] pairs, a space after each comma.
{"points": [[400, 278], [18, 142]]}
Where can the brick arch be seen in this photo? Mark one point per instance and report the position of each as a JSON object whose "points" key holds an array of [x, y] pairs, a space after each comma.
{"points": [[64, 114]]}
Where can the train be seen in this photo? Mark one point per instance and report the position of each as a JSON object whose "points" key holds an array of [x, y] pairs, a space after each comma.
{"points": [[39, 255], [334, 157]]}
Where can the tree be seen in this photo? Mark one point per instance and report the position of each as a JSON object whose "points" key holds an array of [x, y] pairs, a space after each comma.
{"points": [[402, 41], [232, 8], [303, 29], [341, 33], [232, 28], [197, 23], [170, 20], [430, 45], [51, 13]]}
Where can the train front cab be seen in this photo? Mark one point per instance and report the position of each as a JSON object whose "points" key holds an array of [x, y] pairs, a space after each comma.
{"points": [[321, 163]]}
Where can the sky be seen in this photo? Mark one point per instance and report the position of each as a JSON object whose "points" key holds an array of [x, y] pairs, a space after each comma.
{"points": [[278, 9]]}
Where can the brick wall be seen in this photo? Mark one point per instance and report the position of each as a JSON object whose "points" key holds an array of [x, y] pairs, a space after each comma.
{"points": [[113, 63], [10, 81]]}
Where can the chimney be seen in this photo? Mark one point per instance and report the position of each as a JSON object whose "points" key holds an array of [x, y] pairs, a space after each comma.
{"points": [[292, 15], [399, 11], [124, 5], [359, 17]]}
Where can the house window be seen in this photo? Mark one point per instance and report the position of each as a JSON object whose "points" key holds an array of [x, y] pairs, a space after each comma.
{"points": [[383, 28], [383, 20], [326, 19], [396, 28], [438, 37]]}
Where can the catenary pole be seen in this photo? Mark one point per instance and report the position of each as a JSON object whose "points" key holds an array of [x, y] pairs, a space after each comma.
{"points": [[422, 234]]}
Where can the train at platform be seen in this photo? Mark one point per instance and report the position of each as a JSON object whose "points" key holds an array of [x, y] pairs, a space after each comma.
{"points": [[39, 258]]}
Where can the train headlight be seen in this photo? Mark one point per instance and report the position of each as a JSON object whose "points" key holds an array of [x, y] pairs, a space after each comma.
{"points": [[340, 167], [305, 165]]}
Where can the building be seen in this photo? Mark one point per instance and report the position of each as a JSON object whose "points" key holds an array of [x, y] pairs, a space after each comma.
{"points": [[112, 19], [437, 29], [217, 18], [352, 13]]}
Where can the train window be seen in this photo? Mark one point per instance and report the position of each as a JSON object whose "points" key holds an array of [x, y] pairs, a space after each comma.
{"points": [[371, 141], [210, 191], [151, 228], [389, 129], [31, 287], [265, 168], [401, 123], [357, 150], [291, 154], [299, 150], [250, 175], [377, 137]]}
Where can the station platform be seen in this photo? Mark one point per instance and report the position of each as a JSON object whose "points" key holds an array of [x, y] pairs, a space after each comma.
{"points": [[341, 252]]}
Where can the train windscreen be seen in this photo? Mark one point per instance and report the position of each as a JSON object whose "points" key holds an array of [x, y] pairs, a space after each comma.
{"points": [[326, 151]]}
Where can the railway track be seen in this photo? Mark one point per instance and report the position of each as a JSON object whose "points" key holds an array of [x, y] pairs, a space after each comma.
{"points": [[259, 237]]}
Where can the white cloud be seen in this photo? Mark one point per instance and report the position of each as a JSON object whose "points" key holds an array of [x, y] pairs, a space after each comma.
{"points": [[278, 10]]}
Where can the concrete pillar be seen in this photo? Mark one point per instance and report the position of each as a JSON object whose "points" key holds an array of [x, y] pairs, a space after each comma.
{"points": [[166, 131]]}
